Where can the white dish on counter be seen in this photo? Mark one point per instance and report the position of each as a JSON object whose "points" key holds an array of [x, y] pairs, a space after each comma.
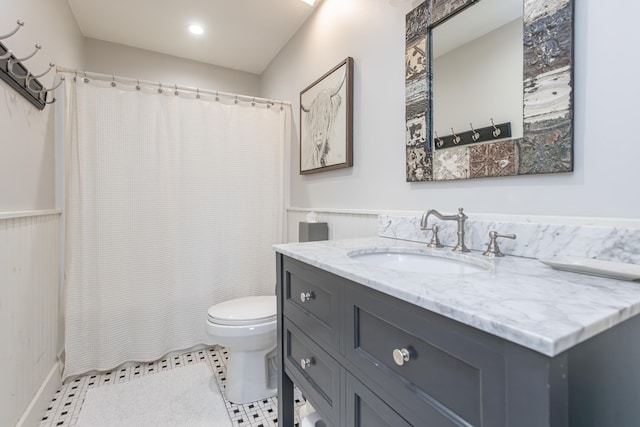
{"points": [[595, 267]]}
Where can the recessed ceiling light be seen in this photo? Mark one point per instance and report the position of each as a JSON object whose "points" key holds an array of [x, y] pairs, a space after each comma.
{"points": [[309, 2], [196, 29]]}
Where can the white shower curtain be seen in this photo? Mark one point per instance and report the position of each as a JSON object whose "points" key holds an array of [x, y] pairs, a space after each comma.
{"points": [[172, 205]]}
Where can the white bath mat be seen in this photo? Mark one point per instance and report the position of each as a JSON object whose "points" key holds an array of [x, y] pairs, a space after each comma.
{"points": [[187, 396]]}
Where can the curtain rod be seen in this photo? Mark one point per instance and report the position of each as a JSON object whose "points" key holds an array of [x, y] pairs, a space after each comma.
{"points": [[109, 77]]}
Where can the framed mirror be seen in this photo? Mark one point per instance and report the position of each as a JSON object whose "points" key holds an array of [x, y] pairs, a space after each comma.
{"points": [[489, 88]]}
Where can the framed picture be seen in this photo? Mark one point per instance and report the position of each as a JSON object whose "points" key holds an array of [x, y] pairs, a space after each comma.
{"points": [[326, 121]]}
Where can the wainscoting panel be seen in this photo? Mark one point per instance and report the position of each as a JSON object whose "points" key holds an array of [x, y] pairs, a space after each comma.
{"points": [[29, 291], [342, 224]]}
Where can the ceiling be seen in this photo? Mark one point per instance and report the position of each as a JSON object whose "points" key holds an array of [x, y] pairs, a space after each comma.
{"points": [[243, 35]]}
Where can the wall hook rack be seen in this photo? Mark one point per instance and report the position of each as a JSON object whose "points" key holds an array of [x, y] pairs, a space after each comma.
{"points": [[489, 133], [18, 76]]}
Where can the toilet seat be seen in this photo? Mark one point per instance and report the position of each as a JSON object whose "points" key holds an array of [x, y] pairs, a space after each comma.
{"points": [[243, 311]]}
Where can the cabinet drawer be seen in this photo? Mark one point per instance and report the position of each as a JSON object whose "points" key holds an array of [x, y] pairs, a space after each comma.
{"points": [[449, 372], [315, 372], [312, 301], [365, 409]]}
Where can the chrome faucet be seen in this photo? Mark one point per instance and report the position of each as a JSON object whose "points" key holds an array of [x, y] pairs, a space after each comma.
{"points": [[460, 218]]}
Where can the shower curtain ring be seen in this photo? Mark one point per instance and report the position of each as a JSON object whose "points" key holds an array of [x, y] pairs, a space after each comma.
{"points": [[176, 89], [217, 97], [113, 81], [86, 79], [159, 87], [137, 84], [236, 100], [253, 102], [197, 93]]}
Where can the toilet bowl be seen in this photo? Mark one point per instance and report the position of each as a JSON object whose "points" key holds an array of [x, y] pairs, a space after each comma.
{"points": [[247, 328]]}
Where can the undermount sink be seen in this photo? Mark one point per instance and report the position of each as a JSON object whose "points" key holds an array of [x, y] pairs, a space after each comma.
{"points": [[416, 262]]}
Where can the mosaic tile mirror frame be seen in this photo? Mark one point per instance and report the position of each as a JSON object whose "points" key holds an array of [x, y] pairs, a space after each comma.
{"points": [[546, 141]]}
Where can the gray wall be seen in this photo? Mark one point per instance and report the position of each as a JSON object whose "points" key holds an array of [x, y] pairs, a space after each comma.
{"points": [[372, 32]]}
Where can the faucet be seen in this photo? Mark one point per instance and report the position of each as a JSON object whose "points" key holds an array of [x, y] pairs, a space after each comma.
{"points": [[460, 218]]}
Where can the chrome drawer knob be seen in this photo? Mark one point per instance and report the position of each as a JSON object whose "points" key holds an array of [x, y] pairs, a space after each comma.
{"points": [[306, 296], [305, 363], [401, 356]]}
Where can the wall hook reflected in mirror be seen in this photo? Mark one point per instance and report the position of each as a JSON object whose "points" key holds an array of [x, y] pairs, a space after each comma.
{"points": [[456, 138], [496, 131], [475, 135], [439, 142]]}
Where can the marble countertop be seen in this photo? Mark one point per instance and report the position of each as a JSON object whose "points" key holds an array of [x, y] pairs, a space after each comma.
{"points": [[518, 299]]}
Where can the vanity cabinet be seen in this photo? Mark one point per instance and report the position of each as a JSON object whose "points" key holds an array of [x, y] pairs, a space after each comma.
{"points": [[365, 358]]}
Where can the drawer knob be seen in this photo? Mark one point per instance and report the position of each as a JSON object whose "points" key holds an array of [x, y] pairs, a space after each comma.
{"points": [[306, 296], [305, 363], [401, 356]]}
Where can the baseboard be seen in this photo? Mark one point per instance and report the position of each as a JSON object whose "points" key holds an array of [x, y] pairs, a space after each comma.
{"points": [[32, 416]]}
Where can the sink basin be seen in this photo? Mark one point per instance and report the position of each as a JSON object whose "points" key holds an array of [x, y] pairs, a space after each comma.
{"points": [[422, 263]]}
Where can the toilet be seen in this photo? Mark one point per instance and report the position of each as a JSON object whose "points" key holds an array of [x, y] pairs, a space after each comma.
{"points": [[247, 328]]}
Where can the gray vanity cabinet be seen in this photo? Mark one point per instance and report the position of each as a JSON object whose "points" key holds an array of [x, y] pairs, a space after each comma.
{"points": [[364, 358], [451, 375]]}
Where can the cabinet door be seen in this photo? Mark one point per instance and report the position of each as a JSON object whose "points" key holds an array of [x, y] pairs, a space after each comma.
{"points": [[365, 409], [312, 300], [314, 371], [443, 373]]}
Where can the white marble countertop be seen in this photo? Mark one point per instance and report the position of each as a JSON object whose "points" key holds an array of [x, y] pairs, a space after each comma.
{"points": [[518, 299]]}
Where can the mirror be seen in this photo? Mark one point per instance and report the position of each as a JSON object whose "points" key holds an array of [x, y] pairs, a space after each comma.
{"points": [[500, 100]]}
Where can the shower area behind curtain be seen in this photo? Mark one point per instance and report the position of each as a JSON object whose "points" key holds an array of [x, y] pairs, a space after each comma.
{"points": [[172, 205]]}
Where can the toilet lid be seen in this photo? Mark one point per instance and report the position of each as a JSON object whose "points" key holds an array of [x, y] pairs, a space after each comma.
{"points": [[244, 311]]}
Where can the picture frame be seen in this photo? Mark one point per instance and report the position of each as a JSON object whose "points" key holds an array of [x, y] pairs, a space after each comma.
{"points": [[326, 121]]}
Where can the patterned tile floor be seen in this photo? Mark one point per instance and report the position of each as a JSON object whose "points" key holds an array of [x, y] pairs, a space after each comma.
{"points": [[67, 402]]}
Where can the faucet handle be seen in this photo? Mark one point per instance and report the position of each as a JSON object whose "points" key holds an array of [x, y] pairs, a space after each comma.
{"points": [[493, 250], [435, 241]]}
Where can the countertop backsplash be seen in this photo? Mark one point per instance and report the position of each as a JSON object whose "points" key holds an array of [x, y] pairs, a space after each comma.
{"points": [[535, 238]]}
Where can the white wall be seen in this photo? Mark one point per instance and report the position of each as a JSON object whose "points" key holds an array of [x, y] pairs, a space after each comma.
{"points": [[28, 310], [110, 58], [26, 136], [29, 246], [607, 146]]}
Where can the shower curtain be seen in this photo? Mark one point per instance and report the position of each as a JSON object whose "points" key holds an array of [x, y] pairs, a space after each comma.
{"points": [[172, 204]]}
